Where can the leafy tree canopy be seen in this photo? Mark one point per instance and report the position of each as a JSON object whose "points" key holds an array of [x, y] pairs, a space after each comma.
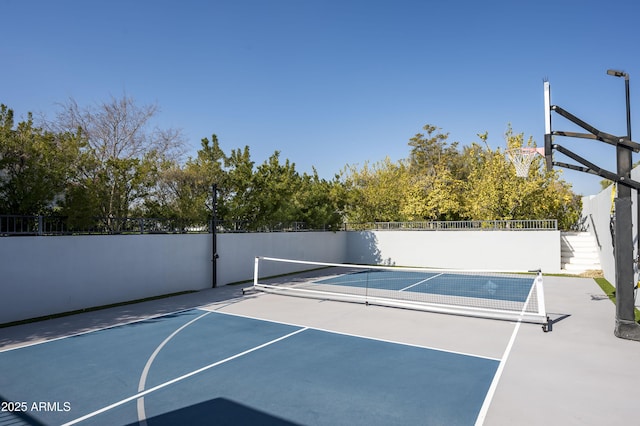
{"points": [[107, 161], [35, 165], [441, 182]]}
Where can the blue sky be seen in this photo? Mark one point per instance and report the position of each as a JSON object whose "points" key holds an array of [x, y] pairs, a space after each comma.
{"points": [[332, 82]]}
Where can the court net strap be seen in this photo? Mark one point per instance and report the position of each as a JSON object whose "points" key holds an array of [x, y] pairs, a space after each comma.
{"points": [[479, 293]]}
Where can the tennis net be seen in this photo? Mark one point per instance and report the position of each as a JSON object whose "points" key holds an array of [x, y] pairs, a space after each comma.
{"points": [[499, 295]]}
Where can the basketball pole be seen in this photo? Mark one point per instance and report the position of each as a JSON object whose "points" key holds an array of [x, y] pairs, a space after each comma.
{"points": [[623, 249], [626, 327], [624, 262]]}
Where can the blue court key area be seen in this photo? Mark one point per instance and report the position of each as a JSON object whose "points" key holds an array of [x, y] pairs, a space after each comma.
{"points": [[478, 286], [246, 371], [320, 378]]}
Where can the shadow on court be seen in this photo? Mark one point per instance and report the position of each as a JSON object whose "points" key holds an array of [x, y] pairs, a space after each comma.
{"points": [[220, 411], [63, 326], [208, 366], [16, 414]]}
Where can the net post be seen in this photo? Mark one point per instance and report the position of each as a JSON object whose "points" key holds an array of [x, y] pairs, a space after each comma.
{"points": [[256, 262], [255, 271], [542, 308]]}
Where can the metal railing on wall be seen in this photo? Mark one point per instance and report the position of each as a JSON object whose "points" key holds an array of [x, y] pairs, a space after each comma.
{"points": [[16, 225], [458, 225]]}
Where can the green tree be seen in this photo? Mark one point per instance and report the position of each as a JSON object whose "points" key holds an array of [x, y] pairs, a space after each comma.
{"points": [[436, 175], [185, 192], [276, 184], [35, 165], [375, 192], [126, 156], [440, 182], [319, 202], [240, 192], [248, 198], [434, 197], [493, 191], [431, 153]]}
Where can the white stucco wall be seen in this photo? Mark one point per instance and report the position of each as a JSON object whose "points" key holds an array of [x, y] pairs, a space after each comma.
{"points": [[596, 213], [493, 250], [48, 275]]}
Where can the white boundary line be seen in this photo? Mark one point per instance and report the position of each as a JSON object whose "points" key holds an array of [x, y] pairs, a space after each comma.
{"points": [[377, 339], [496, 378], [142, 416], [178, 379], [420, 282], [96, 329], [114, 325], [205, 307]]}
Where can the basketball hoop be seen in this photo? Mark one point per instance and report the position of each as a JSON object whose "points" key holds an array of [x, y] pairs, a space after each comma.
{"points": [[522, 158]]}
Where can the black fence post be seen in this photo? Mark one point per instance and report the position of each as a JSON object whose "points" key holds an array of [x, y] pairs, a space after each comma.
{"points": [[214, 233]]}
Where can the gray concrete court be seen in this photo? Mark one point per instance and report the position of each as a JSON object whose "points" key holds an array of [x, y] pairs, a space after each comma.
{"points": [[578, 374]]}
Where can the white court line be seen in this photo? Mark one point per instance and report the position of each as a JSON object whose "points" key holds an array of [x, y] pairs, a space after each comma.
{"points": [[420, 282], [496, 378], [361, 336], [116, 324], [178, 379], [142, 416], [102, 328]]}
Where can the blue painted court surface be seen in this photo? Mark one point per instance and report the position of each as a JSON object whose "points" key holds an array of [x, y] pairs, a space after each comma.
{"points": [[203, 367], [446, 284]]}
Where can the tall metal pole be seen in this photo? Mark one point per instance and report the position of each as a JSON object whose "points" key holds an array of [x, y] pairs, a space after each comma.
{"points": [[628, 100], [625, 316], [625, 327], [214, 233], [637, 257], [626, 91]]}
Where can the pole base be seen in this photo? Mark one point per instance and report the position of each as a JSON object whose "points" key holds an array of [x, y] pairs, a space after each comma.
{"points": [[629, 330]]}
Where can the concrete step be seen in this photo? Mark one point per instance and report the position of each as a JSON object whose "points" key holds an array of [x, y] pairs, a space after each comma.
{"points": [[582, 244], [580, 247], [576, 234], [580, 261], [578, 240], [591, 255], [579, 252], [569, 267]]}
